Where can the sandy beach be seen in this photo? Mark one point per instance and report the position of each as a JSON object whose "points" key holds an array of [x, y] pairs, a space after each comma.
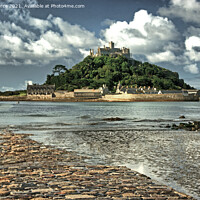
{"points": [[32, 170]]}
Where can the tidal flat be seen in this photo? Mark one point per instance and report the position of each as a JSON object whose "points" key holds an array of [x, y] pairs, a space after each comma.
{"points": [[141, 141]]}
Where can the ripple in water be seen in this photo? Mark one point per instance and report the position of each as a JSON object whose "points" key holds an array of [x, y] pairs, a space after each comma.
{"points": [[171, 157]]}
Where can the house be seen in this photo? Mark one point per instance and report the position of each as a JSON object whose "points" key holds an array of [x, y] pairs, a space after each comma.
{"points": [[194, 92], [38, 90], [134, 90], [104, 90], [148, 90]]}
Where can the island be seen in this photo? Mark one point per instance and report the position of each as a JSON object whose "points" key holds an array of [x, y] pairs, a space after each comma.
{"points": [[109, 75]]}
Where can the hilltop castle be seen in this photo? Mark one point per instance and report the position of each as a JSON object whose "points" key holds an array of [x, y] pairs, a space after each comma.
{"points": [[111, 51]]}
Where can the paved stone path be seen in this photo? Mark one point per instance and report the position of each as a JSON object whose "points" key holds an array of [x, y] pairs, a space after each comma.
{"points": [[31, 170]]}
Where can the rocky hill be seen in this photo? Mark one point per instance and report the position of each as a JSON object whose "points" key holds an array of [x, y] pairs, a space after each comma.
{"points": [[93, 72]]}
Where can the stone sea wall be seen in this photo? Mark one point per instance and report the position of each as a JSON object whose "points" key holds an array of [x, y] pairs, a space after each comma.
{"points": [[69, 97], [150, 97], [12, 98]]}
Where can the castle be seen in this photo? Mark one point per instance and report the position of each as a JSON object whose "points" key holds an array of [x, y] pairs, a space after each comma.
{"points": [[111, 51]]}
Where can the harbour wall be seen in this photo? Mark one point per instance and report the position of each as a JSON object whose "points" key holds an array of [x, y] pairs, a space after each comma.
{"points": [[68, 97], [150, 97]]}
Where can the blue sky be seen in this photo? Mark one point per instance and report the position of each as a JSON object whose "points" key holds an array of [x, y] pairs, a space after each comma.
{"points": [[33, 41]]}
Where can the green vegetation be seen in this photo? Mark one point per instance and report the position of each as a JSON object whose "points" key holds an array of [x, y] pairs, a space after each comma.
{"points": [[13, 93], [93, 72]]}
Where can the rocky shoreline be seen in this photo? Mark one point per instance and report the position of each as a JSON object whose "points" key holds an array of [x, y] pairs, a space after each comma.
{"points": [[31, 170]]}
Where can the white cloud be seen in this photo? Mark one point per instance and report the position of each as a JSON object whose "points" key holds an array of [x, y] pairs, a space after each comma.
{"points": [[32, 41], [5, 88], [10, 29], [28, 83], [192, 45], [192, 42], [75, 35], [18, 14], [193, 69], [146, 35], [67, 43], [188, 10], [161, 57], [40, 24], [107, 22], [192, 31]]}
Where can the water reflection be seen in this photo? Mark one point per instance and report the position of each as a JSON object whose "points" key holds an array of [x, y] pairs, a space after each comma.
{"points": [[169, 157]]}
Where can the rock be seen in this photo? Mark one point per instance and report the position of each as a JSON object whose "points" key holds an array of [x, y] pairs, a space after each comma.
{"points": [[77, 197], [193, 129], [4, 192], [197, 125], [190, 126], [187, 126], [46, 190], [174, 127], [113, 193], [128, 195], [67, 192], [113, 119], [182, 117], [28, 185]]}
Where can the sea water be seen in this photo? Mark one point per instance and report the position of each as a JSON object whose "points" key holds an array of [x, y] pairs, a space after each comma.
{"points": [[140, 141]]}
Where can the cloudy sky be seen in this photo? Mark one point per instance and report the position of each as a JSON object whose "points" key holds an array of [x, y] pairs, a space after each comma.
{"points": [[34, 40]]}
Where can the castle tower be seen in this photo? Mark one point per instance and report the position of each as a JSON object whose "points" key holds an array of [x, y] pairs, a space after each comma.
{"points": [[99, 51], [111, 45], [91, 52]]}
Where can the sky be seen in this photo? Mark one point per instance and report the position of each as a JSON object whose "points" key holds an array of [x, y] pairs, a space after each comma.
{"points": [[36, 35]]}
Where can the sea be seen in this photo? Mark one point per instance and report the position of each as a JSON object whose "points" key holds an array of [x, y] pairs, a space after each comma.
{"points": [[142, 140]]}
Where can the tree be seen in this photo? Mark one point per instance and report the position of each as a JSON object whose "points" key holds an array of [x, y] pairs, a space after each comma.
{"points": [[93, 72], [125, 67], [58, 69], [168, 84]]}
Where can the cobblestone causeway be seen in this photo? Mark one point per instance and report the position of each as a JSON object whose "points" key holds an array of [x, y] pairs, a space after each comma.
{"points": [[31, 170]]}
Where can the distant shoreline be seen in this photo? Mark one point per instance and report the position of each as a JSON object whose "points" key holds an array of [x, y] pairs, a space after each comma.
{"points": [[107, 98]]}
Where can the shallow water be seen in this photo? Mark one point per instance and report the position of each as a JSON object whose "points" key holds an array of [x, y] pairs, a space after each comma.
{"points": [[140, 141]]}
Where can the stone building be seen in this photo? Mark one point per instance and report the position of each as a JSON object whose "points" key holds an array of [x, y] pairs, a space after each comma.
{"points": [[104, 90], [111, 51], [87, 93], [39, 90], [147, 90], [194, 92]]}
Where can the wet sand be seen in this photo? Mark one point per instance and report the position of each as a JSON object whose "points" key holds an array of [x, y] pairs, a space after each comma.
{"points": [[32, 170]]}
